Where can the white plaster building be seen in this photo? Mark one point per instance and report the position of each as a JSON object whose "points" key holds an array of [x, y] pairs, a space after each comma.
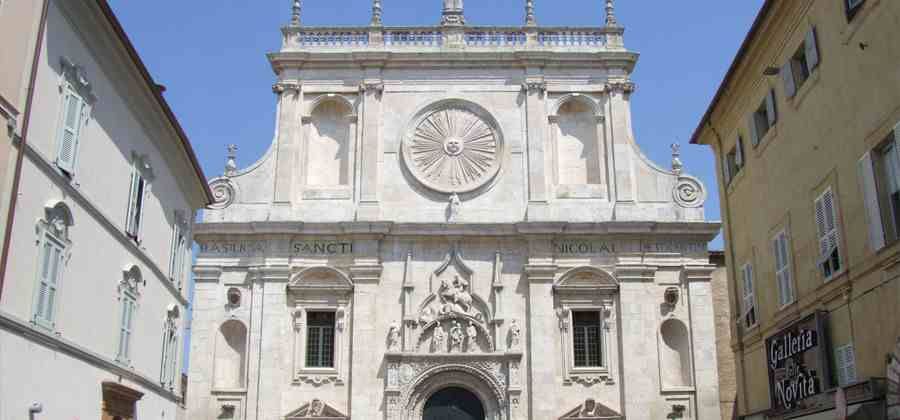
{"points": [[94, 297], [454, 222]]}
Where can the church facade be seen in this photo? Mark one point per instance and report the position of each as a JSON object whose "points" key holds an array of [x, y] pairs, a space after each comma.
{"points": [[454, 222]]}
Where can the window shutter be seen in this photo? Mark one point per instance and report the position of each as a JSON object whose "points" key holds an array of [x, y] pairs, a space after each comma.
{"points": [[40, 312], [174, 250], [132, 198], [739, 152], [754, 131], [787, 75], [726, 170], [870, 194], [71, 127], [771, 110], [849, 364], [812, 49]]}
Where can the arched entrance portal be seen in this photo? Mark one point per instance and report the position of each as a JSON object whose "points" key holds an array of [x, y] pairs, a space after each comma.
{"points": [[453, 404]]}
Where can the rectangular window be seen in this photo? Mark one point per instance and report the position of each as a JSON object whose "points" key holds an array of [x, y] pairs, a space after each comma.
{"points": [[845, 363], [49, 273], [748, 295], [126, 322], [734, 160], [763, 119], [70, 130], [177, 254], [830, 261], [887, 179], [135, 204], [586, 339], [320, 340], [802, 63], [783, 277]]}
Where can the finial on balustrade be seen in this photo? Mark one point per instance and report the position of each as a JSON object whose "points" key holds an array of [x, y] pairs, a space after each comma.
{"points": [[611, 20], [231, 162], [376, 13], [530, 20], [453, 13], [295, 13], [677, 166]]}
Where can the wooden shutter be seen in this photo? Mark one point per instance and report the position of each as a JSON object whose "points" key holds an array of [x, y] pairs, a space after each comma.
{"points": [[812, 50], [41, 310], [826, 222], [754, 130], [771, 108], [783, 269], [71, 128], [132, 198], [174, 250], [128, 306], [873, 209], [749, 299], [739, 153], [787, 75], [726, 169]]}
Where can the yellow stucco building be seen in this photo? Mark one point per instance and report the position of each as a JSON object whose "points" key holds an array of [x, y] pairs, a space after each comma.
{"points": [[805, 129]]}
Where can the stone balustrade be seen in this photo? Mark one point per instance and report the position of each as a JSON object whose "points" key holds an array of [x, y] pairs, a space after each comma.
{"points": [[312, 39]]}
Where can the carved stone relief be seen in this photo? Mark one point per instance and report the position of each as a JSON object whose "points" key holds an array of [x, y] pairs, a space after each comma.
{"points": [[453, 147]]}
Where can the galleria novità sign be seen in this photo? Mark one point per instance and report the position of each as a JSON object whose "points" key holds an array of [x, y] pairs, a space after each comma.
{"points": [[454, 221]]}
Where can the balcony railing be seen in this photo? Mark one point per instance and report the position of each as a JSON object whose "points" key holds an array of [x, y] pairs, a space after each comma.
{"points": [[298, 38]]}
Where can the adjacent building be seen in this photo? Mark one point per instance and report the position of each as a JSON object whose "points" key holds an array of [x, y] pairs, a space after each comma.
{"points": [[19, 20], [805, 129], [94, 291], [454, 222]]}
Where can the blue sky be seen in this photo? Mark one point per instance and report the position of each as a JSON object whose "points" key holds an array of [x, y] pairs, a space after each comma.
{"points": [[211, 57]]}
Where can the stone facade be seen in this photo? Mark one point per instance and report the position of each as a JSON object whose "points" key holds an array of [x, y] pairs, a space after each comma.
{"points": [[93, 303], [806, 193], [725, 354], [453, 198]]}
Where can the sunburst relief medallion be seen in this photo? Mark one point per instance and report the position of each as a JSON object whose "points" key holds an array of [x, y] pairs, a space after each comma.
{"points": [[452, 150]]}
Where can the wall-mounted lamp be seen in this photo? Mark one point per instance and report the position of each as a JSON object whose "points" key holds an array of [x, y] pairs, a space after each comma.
{"points": [[35, 408]]}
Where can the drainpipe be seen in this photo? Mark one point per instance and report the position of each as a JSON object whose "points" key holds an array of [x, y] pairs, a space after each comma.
{"points": [[23, 141]]}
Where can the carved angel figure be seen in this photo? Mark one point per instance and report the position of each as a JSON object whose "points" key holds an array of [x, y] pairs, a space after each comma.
{"points": [[454, 208], [456, 337]]}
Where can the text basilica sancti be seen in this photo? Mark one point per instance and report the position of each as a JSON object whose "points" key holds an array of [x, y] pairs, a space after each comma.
{"points": [[454, 222]]}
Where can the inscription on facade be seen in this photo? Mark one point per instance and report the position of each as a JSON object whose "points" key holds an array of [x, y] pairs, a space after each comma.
{"points": [[321, 248], [600, 247], [247, 248]]}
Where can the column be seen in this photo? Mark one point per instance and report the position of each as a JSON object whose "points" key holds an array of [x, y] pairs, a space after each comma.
{"points": [[290, 136]]}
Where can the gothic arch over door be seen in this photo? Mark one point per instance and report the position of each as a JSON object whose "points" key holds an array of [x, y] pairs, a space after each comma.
{"points": [[453, 403]]}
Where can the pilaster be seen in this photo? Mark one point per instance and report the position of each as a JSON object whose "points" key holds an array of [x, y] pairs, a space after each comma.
{"points": [[290, 136], [371, 157], [541, 339], [621, 138], [535, 109], [366, 350]]}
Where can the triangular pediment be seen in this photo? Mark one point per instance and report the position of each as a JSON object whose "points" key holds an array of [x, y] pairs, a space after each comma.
{"points": [[587, 278], [320, 278], [315, 410], [592, 410]]}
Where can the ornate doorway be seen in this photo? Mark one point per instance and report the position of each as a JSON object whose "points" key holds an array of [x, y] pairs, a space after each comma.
{"points": [[453, 404]]}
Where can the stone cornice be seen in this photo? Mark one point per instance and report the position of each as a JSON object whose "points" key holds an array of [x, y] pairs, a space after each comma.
{"points": [[701, 230], [59, 344]]}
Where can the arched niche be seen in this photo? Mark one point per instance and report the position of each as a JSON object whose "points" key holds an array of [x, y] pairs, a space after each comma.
{"points": [[329, 146], [230, 356], [675, 355], [578, 149]]}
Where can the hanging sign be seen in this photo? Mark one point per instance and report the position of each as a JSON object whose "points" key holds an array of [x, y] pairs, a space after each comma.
{"points": [[796, 362]]}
